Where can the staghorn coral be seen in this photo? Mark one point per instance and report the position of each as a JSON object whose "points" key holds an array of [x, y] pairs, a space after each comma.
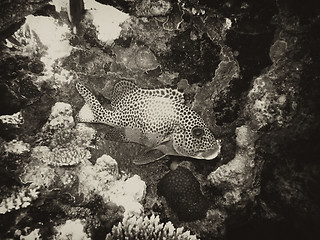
{"points": [[144, 228], [182, 192], [20, 199]]}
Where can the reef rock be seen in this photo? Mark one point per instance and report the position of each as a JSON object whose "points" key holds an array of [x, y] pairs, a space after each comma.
{"points": [[238, 177]]}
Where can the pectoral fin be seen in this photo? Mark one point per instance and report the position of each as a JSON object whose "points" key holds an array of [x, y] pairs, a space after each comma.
{"points": [[148, 157]]}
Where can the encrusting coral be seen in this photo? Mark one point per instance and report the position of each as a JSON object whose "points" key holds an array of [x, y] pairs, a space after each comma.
{"points": [[145, 228], [20, 199]]}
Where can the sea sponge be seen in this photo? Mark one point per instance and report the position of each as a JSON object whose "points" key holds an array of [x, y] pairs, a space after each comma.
{"points": [[183, 194], [144, 228], [20, 199]]}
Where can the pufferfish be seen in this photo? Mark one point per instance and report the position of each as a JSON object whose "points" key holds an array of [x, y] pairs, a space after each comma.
{"points": [[155, 118]]}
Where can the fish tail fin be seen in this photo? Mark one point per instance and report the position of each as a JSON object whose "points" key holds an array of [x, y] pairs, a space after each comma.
{"points": [[92, 111]]}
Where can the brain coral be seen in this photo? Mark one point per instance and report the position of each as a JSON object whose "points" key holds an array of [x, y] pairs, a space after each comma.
{"points": [[145, 228], [182, 192]]}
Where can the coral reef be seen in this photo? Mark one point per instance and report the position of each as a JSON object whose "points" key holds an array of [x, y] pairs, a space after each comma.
{"points": [[249, 68], [144, 227], [182, 192], [13, 13]]}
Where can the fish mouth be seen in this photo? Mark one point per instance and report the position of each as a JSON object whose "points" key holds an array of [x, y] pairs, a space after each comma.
{"points": [[209, 154]]}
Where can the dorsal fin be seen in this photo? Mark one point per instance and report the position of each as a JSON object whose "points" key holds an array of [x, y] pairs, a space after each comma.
{"points": [[122, 89]]}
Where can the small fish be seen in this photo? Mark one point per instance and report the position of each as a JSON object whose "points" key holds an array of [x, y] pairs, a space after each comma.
{"points": [[75, 13], [155, 118]]}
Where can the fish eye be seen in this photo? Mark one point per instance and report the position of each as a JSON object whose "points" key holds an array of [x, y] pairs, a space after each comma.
{"points": [[197, 132]]}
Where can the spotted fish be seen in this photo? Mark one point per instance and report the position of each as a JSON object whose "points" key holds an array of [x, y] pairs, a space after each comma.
{"points": [[155, 118]]}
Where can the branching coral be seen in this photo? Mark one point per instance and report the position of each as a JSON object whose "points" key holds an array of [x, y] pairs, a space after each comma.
{"points": [[144, 228], [20, 199]]}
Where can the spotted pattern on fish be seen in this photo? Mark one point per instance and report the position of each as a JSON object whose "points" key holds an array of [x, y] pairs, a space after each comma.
{"points": [[157, 116]]}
